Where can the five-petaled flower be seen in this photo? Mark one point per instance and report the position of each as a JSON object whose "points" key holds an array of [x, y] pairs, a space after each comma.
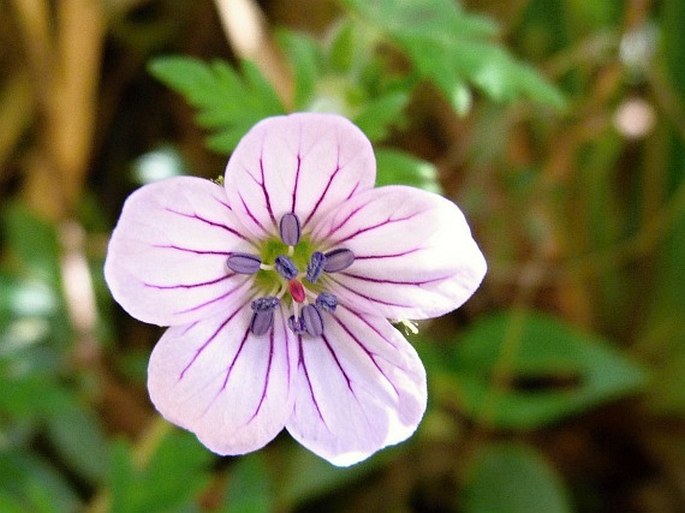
{"points": [[278, 287]]}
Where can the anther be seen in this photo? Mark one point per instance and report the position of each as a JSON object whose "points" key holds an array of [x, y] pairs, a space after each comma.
{"points": [[285, 267], [263, 316], [243, 263], [326, 302], [315, 266], [296, 325], [265, 304], [261, 322], [289, 228], [313, 322], [338, 260]]}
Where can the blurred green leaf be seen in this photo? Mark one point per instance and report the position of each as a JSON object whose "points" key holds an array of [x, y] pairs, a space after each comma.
{"points": [[512, 478], [304, 56], [554, 370], [250, 489], [78, 438], [449, 47], [378, 114], [398, 167], [167, 483], [228, 103], [34, 483]]}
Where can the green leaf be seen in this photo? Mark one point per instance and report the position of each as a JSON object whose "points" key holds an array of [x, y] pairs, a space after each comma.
{"points": [[451, 48], [512, 478], [303, 55], [553, 370], [250, 489], [33, 482], [397, 167], [228, 103], [379, 114], [168, 482], [79, 439]]}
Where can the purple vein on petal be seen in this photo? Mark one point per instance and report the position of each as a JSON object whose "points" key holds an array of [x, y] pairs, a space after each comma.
{"points": [[191, 250], [418, 283], [204, 346], [267, 199], [190, 285], [337, 362], [323, 194], [389, 220], [267, 376], [235, 359], [367, 297], [250, 214], [214, 300], [366, 350], [387, 255], [344, 221], [223, 203], [297, 181], [208, 222], [309, 383]]}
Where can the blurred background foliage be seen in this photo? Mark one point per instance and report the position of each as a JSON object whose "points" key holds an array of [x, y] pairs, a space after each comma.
{"points": [[557, 125]]}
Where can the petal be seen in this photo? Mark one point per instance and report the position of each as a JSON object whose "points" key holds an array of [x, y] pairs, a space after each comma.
{"points": [[166, 261], [359, 387], [414, 254], [231, 388], [304, 163]]}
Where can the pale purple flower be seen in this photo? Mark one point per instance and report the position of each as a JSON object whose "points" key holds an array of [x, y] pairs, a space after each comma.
{"points": [[278, 287]]}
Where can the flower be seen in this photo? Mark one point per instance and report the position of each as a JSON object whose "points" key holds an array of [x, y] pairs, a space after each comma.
{"points": [[278, 287]]}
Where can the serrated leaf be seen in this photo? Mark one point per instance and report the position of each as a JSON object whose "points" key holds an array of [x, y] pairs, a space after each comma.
{"points": [[512, 478], [555, 370], [449, 47], [398, 167], [228, 103]]}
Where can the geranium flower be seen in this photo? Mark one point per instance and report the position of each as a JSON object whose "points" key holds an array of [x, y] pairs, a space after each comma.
{"points": [[278, 287]]}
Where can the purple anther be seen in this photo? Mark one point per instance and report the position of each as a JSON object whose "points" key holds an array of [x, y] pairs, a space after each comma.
{"points": [[285, 267], [326, 302], [265, 304], [261, 322], [313, 322], [338, 260], [315, 266], [290, 229], [296, 325], [243, 263]]}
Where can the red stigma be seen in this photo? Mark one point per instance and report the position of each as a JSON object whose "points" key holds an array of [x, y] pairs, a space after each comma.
{"points": [[296, 290]]}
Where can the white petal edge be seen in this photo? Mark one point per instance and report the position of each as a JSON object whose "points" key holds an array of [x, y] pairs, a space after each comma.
{"points": [[166, 260], [415, 256], [214, 378], [304, 163], [360, 387]]}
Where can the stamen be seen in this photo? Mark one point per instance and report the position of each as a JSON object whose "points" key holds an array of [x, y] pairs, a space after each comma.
{"points": [[296, 291], [326, 302], [263, 316], [313, 322], [285, 267], [296, 325], [243, 263], [338, 260], [261, 322], [315, 266], [289, 228], [265, 304]]}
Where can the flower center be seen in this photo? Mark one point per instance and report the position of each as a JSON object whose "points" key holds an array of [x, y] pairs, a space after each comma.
{"points": [[283, 269]]}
